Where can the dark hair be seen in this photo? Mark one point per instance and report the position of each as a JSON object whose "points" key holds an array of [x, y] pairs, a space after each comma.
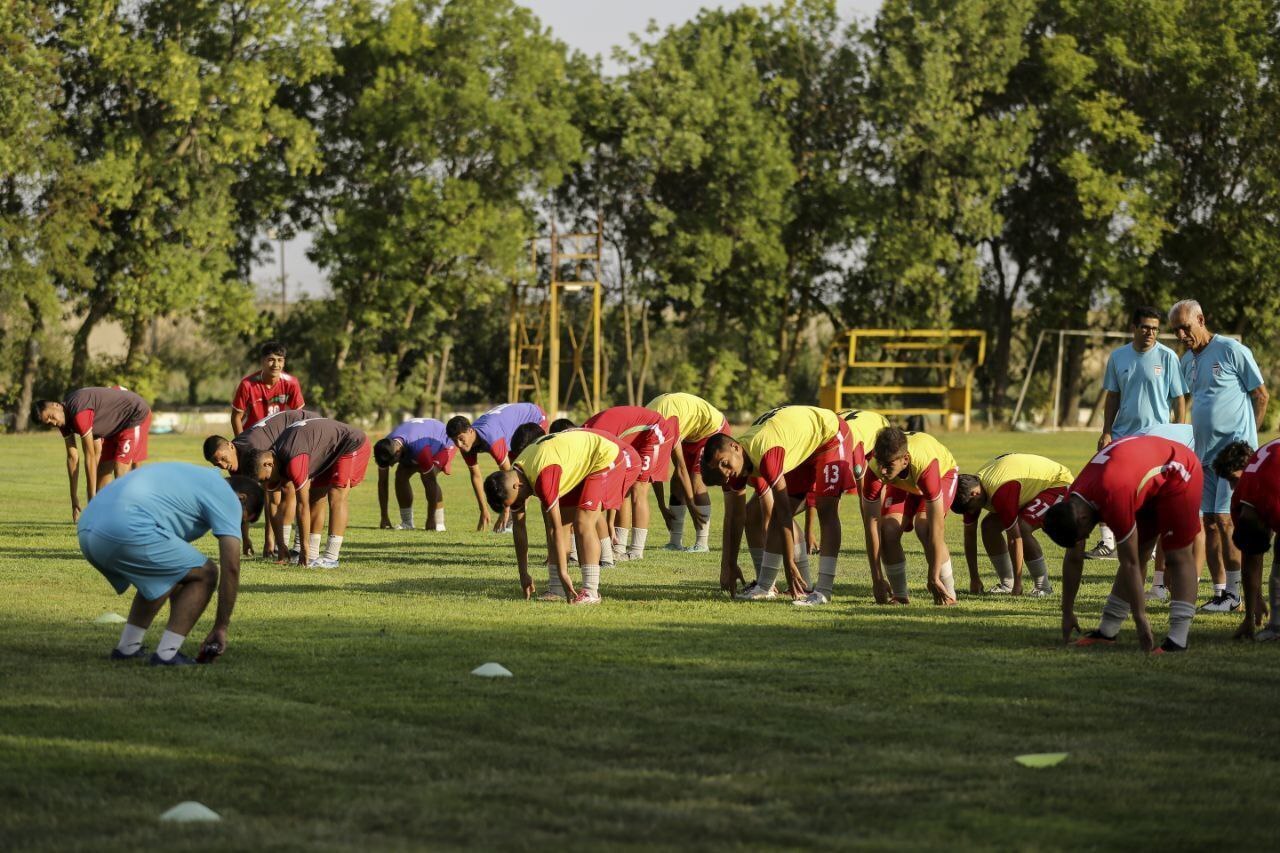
{"points": [[254, 497], [212, 445], [1144, 312], [457, 425], [250, 466], [1232, 458], [965, 484], [561, 424], [1251, 535], [525, 435], [1064, 520], [890, 441], [271, 348], [495, 490], [384, 452], [717, 443]]}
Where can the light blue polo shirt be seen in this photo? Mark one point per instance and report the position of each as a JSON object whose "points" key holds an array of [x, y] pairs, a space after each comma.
{"points": [[1146, 382], [1220, 379]]}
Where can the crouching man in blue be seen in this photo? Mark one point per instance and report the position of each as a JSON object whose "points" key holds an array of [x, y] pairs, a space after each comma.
{"points": [[138, 532]]}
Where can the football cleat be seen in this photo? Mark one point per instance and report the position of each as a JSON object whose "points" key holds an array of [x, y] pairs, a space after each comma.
{"points": [[1168, 647], [635, 555], [551, 596], [438, 528], [1157, 593], [1041, 592], [813, 599], [1268, 634], [178, 659], [1095, 638], [586, 596], [404, 525], [1005, 587], [672, 546], [697, 549], [1222, 602], [755, 592], [1101, 551], [116, 654], [324, 563]]}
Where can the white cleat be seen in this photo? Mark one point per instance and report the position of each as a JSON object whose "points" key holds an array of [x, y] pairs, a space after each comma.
{"points": [[1268, 634], [439, 528], [1157, 593], [697, 549], [1005, 587], [1223, 602], [324, 563], [632, 556], [813, 599], [755, 592], [404, 525], [586, 596], [1041, 592]]}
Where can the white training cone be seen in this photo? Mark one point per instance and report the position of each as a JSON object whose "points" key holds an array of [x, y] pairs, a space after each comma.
{"points": [[190, 812], [492, 670], [110, 618]]}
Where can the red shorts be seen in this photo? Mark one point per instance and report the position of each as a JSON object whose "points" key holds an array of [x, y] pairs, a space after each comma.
{"points": [[1033, 513], [653, 449], [606, 489], [129, 444], [1175, 517], [692, 450], [828, 471], [901, 502], [348, 471]]}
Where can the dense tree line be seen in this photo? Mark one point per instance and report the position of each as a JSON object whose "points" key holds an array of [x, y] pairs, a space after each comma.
{"points": [[764, 177]]}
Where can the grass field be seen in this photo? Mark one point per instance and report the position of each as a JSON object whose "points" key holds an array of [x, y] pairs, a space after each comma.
{"points": [[343, 715]]}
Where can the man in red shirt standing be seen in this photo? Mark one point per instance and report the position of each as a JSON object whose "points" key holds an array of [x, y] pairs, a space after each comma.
{"points": [[1144, 488], [265, 391], [1255, 515]]}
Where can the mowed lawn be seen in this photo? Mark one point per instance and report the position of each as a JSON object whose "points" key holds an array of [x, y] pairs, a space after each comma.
{"points": [[343, 715]]}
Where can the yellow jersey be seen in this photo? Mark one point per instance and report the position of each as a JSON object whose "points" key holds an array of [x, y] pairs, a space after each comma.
{"points": [[1011, 481], [555, 464], [863, 426], [697, 418], [781, 439], [930, 462]]}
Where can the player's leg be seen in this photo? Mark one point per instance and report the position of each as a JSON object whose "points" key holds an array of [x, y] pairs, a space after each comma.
{"points": [[895, 558], [187, 601], [435, 501], [586, 526], [700, 509], [1216, 555], [316, 517], [1230, 555], [620, 529], [753, 531], [933, 569], [142, 612], [1037, 567], [338, 513], [404, 496], [639, 520], [1158, 590], [997, 545], [269, 549], [830, 535], [106, 464], [1180, 575], [605, 538]]}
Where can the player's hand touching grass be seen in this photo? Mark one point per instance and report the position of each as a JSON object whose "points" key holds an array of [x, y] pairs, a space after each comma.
{"points": [[730, 579], [526, 584], [485, 520], [75, 513], [1070, 625], [384, 523], [1146, 640], [213, 646], [881, 590]]}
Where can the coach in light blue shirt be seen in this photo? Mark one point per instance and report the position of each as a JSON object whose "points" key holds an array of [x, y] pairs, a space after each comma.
{"points": [[1228, 401]]}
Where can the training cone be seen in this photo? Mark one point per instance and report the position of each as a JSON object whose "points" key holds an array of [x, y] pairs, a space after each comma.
{"points": [[190, 812], [110, 618], [1041, 759], [492, 670]]}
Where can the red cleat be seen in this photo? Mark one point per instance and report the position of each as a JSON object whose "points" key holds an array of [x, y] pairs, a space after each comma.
{"points": [[1095, 638]]}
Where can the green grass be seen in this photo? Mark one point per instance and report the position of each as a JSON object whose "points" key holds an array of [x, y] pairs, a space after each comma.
{"points": [[343, 715]]}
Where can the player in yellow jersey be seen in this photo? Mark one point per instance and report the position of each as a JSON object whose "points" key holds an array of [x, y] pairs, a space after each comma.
{"points": [[920, 476], [696, 421], [576, 474], [1016, 489], [787, 454]]}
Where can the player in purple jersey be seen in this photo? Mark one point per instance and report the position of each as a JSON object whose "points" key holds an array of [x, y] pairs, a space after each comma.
{"points": [[419, 446], [492, 433]]}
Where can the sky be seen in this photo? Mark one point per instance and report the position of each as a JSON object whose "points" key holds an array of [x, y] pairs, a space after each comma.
{"points": [[591, 26]]}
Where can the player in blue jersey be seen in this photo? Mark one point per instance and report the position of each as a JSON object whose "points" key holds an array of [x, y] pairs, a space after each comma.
{"points": [[418, 446]]}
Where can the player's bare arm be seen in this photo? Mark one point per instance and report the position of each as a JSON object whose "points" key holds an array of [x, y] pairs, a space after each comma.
{"points": [[735, 516], [520, 533], [477, 486], [1178, 407], [936, 519], [1130, 582], [1259, 397], [1016, 536], [303, 496], [779, 535], [1072, 569], [1110, 409], [237, 422], [73, 476], [881, 590], [384, 487], [228, 588], [971, 556], [1255, 609], [551, 516], [92, 453]]}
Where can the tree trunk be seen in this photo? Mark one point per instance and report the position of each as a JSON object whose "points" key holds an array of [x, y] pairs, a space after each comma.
{"points": [[1072, 380], [646, 353], [30, 370], [428, 384], [193, 389], [628, 345], [438, 405], [137, 344], [80, 343]]}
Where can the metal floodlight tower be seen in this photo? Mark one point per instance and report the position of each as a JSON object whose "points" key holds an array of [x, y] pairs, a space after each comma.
{"points": [[555, 353]]}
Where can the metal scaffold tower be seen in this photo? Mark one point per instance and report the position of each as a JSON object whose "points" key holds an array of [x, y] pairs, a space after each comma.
{"points": [[555, 347]]}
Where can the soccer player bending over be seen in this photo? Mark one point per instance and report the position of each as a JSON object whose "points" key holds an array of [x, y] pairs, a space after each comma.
{"points": [[787, 453], [418, 446], [232, 455], [491, 433], [316, 461], [576, 474], [696, 420], [138, 532], [1255, 515], [920, 476], [1016, 489], [1143, 488], [112, 423]]}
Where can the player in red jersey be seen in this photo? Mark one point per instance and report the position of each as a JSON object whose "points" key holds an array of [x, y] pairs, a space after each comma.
{"points": [[318, 461], [652, 437], [265, 391], [1255, 515], [1144, 488], [112, 423]]}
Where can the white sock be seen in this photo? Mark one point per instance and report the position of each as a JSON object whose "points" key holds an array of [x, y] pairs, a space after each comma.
{"points": [[636, 549], [801, 554], [333, 547], [897, 574], [286, 531], [131, 637], [757, 554], [1039, 572], [1219, 588], [169, 645], [677, 525], [826, 575], [313, 545], [1180, 615], [1114, 612], [1233, 583], [620, 538], [437, 519], [949, 581], [591, 578], [406, 515], [704, 532], [606, 551], [1157, 579], [1004, 569], [770, 565], [553, 580], [1108, 537]]}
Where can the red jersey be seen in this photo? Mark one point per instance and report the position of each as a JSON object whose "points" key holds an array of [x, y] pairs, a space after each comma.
{"points": [[259, 400], [633, 425], [1260, 485], [1132, 474]]}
